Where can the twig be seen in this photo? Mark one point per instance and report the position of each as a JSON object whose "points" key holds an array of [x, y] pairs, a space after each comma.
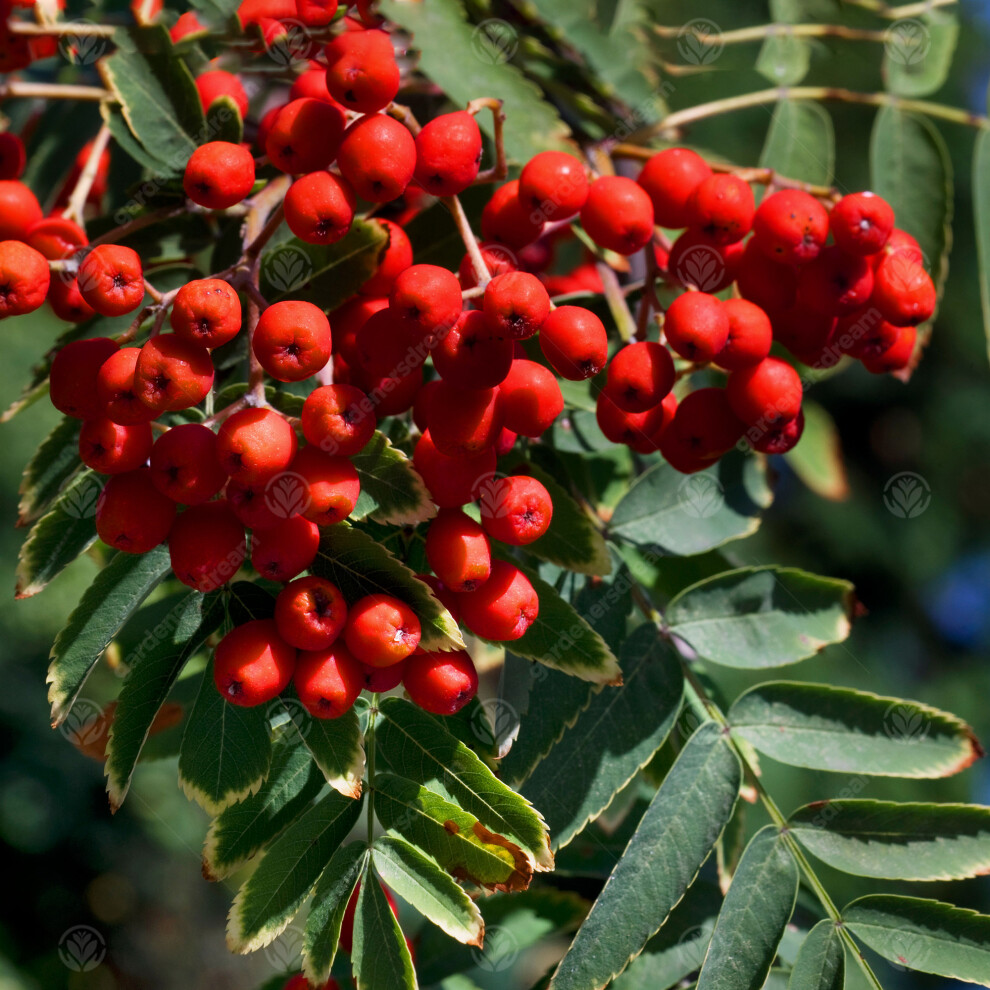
{"points": [[501, 167], [80, 193], [616, 300], [138, 223], [53, 91], [481, 273], [76, 29]]}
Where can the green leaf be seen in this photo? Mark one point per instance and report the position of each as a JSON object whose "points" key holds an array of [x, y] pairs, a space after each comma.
{"points": [[801, 142], [243, 829], [271, 896], [416, 745], [757, 617], [325, 275], [380, 957], [226, 750], [917, 54], [223, 121], [54, 462], [827, 728], [611, 740], [391, 489], [113, 117], [784, 59], [418, 880], [663, 857], [688, 514], [897, 841], [929, 936], [821, 963], [465, 63], [359, 565], [112, 598], [981, 215], [216, 12], [64, 532], [757, 907], [157, 96], [326, 912], [817, 459], [153, 670], [453, 837]]}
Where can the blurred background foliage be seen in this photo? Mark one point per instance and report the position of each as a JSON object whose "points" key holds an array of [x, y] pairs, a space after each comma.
{"points": [[924, 581]]}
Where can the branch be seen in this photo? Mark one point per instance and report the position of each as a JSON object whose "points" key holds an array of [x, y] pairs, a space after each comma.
{"points": [[80, 193], [761, 32], [481, 272], [75, 29], [53, 91], [500, 169]]}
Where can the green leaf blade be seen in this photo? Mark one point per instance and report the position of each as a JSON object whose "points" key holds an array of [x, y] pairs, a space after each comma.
{"points": [[391, 489], [821, 962], [381, 957], [800, 143]]}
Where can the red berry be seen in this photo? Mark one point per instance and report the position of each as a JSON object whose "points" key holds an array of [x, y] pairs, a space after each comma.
{"points": [[252, 664], [131, 514], [286, 549], [56, 237], [19, 210], [24, 279], [722, 206], [903, 291], [780, 439], [772, 286], [207, 545], [618, 215], [386, 344], [339, 419], [897, 356], [473, 355], [765, 394], [187, 24], [381, 630], [448, 154], [899, 242], [292, 340], [861, 223], [575, 342], [218, 175], [319, 208], [640, 375], [458, 550], [256, 507], [362, 73], [428, 297], [865, 333], [504, 607], [394, 260], [382, 679], [206, 311], [110, 448], [790, 226], [464, 421], [312, 84], [835, 283], [498, 260], [669, 178], [316, 13], [255, 444], [12, 156], [305, 136], [116, 391], [553, 185], [507, 220], [750, 335], [639, 431], [310, 613], [111, 279], [441, 683], [516, 510], [697, 260], [332, 484], [802, 331], [530, 398], [452, 481], [680, 455], [697, 326], [216, 83], [516, 304], [705, 423], [328, 682], [378, 157], [67, 302], [72, 379], [185, 465], [172, 374]]}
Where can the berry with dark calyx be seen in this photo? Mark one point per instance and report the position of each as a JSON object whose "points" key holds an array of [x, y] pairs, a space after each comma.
{"points": [[255, 506], [680, 455], [24, 279], [19, 210], [319, 208], [464, 421], [252, 664], [255, 444], [328, 681], [377, 157], [750, 335], [362, 73], [530, 398], [897, 357], [111, 448], [332, 485], [381, 630], [472, 355], [669, 178], [865, 333], [772, 286], [553, 185], [56, 237], [218, 82], [339, 419], [498, 260], [458, 550], [378, 680], [835, 283], [394, 260], [305, 136], [67, 302], [516, 510], [452, 481], [790, 226], [310, 612], [706, 423], [448, 153], [218, 175], [428, 298], [73, 376], [131, 514], [286, 549], [778, 440], [172, 374], [697, 326], [206, 311], [861, 223], [640, 431], [722, 206], [111, 279], [575, 342], [207, 545], [618, 215], [507, 220], [504, 607], [516, 304], [765, 394], [903, 291], [185, 464], [698, 261], [292, 340], [441, 683], [13, 158], [640, 375]]}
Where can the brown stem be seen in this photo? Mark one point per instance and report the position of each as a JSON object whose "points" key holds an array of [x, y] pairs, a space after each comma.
{"points": [[80, 193], [53, 91], [481, 273], [500, 169]]}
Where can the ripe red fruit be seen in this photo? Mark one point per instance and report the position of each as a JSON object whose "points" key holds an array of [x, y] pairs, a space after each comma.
{"points": [[395, 259], [185, 465], [897, 356], [131, 514], [72, 379], [286, 549], [252, 664], [861, 223], [697, 260], [19, 210], [504, 607], [392, 394], [516, 510], [310, 613], [464, 421], [316, 13], [835, 282], [448, 154], [790, 226], [313, 84], [57, 237], [516, 304], [903, 291], [319, 208], [780, 439], [12, 156], [381, 630], [207, 545], [207, 312], [362, 73], [385, 345], [772, 286], [24, 279], [441, 683], [382, 679], [750, 335], [218, 175], [339, 419], [705, 423], [802, 331], [765, 394], [473, 355], [899, 242], [187, 24], [618, 215], [305, 136], [256, 507], [498, 260], [507, 220], [452, 481], [377, 157], [218, 82], [639, 431], [575, 342], [865, 333], [332, 483], [111, 279], [553, 185], [292, 340], [723, 207], [697, 326], [172, 374], [255, 444], [458, 550], [328, 682], [427, 297], [640, 375], [110, 448], [530, 398], [669, 178], [680, 455], [115, 388], [67, 302]]}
